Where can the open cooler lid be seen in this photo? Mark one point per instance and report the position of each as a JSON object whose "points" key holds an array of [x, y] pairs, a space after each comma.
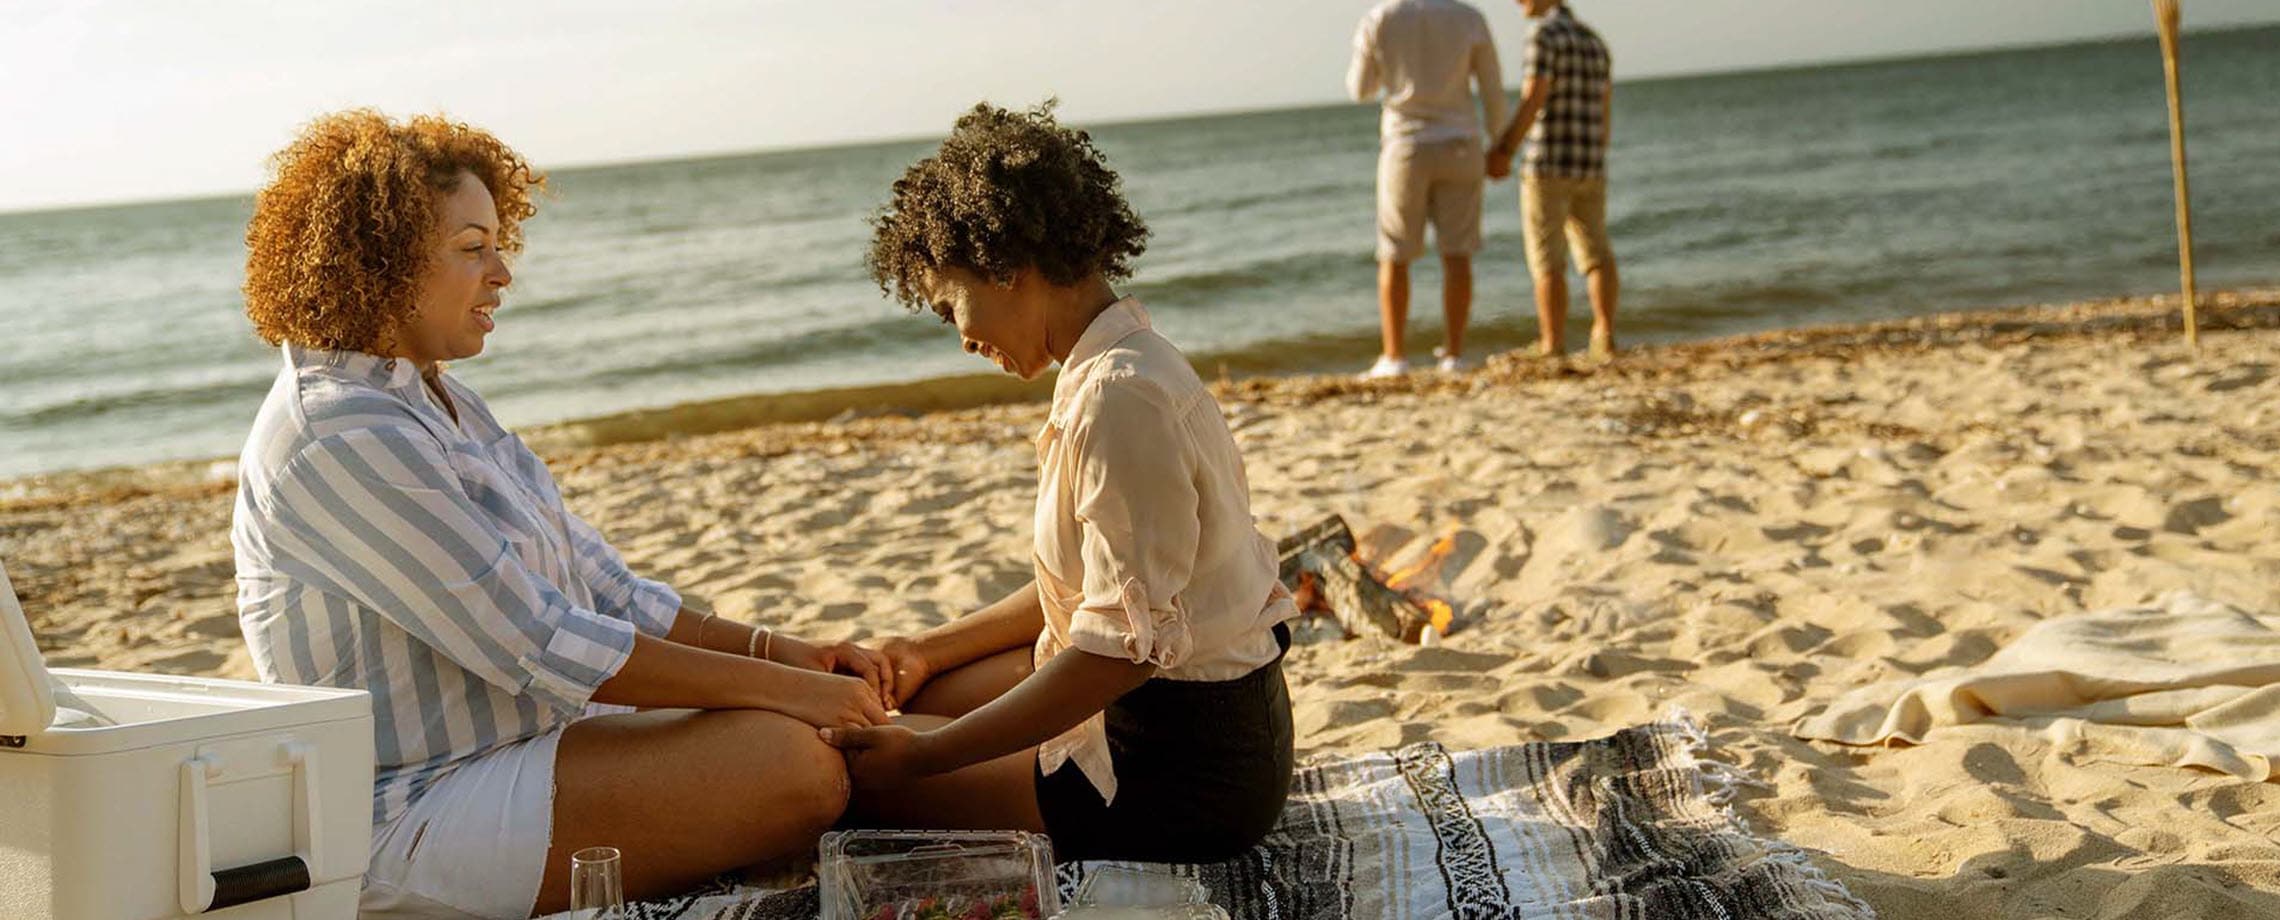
{"points": [[27, 706]]}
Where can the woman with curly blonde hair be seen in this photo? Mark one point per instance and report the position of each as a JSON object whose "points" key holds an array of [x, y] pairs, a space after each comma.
{"points": [[392, 537]]}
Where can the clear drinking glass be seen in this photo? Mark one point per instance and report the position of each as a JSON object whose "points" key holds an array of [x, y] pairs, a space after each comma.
{"points": [[597, 884], [1120, 893]]}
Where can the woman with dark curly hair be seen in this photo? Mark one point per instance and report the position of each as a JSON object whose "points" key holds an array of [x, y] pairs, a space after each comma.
{"points": [[1147, 654], [392, 537]]}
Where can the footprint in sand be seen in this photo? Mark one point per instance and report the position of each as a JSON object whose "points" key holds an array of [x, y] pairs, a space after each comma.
{"points": [[194, 661], [763, 582], [2189, 517], [936, 502], [1615, 708], [215, 626], [1539, 699], [1612, 663], [1313, 719], [841, 611], [1860, 643], [1947, 650], [2242, 376], [1780, 641]]}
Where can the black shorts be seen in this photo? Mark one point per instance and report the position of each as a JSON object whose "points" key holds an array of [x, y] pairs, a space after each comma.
{"points": [[1202, 769]]}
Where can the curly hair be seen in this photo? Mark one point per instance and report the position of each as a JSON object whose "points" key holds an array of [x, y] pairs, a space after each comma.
{"points": [[339, 235], [1007, 191]]}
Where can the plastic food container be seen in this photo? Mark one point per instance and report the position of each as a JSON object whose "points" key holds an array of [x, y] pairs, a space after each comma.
{"points": [[936, 875]]}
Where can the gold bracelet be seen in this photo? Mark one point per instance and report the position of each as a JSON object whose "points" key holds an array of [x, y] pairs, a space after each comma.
{"points": [[767, 652], [701, 630]]}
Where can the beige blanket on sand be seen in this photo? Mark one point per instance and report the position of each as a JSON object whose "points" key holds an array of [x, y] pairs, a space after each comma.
{"points": [[2183, 682]]}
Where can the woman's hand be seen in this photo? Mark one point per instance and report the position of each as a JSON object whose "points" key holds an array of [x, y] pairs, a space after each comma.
{"points": [[906, 668], [837, 658], [884, 756], [832, 701]]}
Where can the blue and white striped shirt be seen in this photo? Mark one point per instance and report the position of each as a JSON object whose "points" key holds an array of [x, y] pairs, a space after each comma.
{"points": [[380, 546]]}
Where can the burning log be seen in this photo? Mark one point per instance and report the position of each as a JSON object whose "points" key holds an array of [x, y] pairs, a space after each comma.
{"points": [[1322, 566]]}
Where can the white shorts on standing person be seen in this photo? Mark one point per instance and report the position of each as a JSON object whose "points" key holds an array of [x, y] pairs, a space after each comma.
{"points": [[1426, 58]]}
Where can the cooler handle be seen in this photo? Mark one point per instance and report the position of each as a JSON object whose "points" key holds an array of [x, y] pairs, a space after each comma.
{"points": [[201, 887]]}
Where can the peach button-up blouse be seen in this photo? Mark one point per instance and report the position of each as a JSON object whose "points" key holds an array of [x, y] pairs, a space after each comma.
{"points": [[1145, 545]]}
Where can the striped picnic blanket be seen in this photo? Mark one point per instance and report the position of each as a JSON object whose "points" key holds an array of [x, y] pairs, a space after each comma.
{"points": [[1632, 825]]}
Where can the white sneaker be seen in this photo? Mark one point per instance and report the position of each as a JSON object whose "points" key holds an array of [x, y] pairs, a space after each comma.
{"points": [[1386, 366], [1451, 364]]}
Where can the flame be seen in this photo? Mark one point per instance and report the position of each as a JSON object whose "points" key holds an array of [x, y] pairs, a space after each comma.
{"points": [[1441, 613], [1307, 594], [1410, 581], [1430, 563]]}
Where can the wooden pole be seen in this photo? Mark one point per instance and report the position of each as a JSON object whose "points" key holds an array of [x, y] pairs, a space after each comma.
{"points": [[2165, 15]]}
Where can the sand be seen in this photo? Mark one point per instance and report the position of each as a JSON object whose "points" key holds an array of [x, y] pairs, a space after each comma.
{"points": [[1745, 528]]}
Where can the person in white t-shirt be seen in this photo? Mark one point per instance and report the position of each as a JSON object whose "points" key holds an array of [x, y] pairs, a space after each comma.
{"points": [[1426, 57]]}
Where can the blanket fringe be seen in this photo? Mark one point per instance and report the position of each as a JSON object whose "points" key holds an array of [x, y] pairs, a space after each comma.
{"points": [[1718, 782]]}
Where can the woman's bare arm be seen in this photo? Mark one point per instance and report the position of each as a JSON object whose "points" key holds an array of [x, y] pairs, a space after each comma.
{"points": [[1012, 622], [661, 674], [1072, 687]]}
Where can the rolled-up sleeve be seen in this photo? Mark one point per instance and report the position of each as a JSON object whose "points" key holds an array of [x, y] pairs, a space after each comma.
{"points": [[651, 606], [1139, 514], [376, 515]]}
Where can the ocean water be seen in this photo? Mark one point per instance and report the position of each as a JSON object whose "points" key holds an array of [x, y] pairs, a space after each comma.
{"points": [[1738, 202]]}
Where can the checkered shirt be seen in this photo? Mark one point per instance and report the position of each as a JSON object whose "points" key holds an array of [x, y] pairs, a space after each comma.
{"points": [[1568, 140]]}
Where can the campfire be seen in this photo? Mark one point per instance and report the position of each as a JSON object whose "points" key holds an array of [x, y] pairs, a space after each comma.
{"points": [[1324, 568]]}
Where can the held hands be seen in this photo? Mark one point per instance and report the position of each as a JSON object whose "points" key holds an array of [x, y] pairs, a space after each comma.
{"points": [[832, 701], [906, 668], [883, 756], [838, 658], [1499, 164]]}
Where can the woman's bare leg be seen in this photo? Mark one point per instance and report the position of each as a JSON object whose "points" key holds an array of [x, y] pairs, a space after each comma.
{"points": [[962, 690], [687, 795], [993, 795]]}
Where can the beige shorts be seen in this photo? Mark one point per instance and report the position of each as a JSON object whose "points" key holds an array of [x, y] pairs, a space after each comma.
{"points": [[1576, 208], [1429, 183]]}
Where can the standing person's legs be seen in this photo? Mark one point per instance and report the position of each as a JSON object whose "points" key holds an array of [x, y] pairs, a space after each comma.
{"points": [[1595, 257], [1393, 308], [1401, 200], [1604, 286], [1455, 197], [1456, 302], [1543, 211]]}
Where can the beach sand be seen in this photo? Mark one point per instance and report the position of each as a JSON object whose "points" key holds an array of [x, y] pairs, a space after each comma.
{"points": [[1745, 528]]}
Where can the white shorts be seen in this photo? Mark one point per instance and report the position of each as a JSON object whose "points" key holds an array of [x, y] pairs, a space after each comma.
{"points": [[473, 845], [1437, 184]]}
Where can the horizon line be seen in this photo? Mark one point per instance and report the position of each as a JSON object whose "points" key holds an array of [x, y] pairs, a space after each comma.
{"points": [[1154, 118]]}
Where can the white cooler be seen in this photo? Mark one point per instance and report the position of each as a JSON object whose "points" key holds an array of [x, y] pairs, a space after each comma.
{"points": [[156, 796]]}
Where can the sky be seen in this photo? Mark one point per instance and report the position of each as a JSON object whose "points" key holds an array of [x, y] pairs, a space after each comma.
{"points": [[123, 100]]}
